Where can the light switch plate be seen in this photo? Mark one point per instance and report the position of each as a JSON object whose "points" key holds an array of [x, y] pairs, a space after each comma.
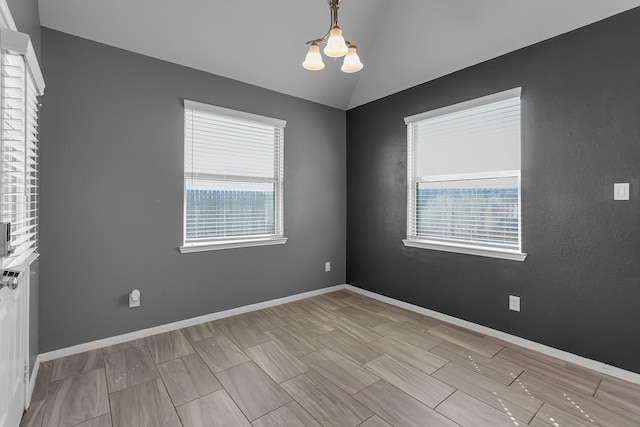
{"points": [[327, 267], [621, 191], [514, 303]]}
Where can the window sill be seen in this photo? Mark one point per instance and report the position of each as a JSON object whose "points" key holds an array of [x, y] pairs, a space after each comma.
{"points": [[467, 249], [231, 244]]}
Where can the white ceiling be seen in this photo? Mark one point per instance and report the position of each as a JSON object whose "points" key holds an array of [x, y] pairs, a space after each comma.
{"points": [[402, 43]]}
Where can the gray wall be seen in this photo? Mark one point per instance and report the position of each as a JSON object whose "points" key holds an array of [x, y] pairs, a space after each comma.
{"points": [[27, 18], [112, 196], [581, 133]]}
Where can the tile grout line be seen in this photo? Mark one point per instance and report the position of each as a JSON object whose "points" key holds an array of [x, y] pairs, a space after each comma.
{"points": [[278, 384], [597, 388], [104, 366], [294, 399], [435, 408], [231, 397], [544, 402], [173, 404]]}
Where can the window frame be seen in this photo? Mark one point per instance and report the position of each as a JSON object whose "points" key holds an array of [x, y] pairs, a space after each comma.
{"points": [[462, 247], [231, 242]]}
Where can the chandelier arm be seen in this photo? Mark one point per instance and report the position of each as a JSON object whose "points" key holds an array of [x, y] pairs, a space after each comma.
{"points": [[321, 40], [333, 4]]}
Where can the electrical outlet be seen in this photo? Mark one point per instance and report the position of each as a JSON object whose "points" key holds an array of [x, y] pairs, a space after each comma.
{"points": [[514, 303], [327, 267], [621, 191], [134, 298]]}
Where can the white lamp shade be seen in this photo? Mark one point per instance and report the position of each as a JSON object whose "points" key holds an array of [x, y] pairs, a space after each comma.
{"points": [[352, 62], [336, 46], [313, 60]]}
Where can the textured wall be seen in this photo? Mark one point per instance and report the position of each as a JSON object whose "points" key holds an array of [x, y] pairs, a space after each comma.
{"points": [[112, 196], [581, 133]]}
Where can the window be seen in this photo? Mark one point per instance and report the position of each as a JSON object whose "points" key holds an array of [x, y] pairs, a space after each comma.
{"points": [[233, 178], [21, 83], [463, 177]]}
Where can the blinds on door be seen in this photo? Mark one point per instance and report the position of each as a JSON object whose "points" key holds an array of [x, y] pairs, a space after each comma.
{"points": [[20, 88]]}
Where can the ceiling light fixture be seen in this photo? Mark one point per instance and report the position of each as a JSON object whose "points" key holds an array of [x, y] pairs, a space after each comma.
{"points": [[336, 47]]}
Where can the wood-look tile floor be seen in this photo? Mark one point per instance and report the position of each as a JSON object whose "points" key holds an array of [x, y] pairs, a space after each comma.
{"points": [[339, 359]]}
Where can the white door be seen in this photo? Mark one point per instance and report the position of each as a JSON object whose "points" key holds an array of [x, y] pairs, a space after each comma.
{"points": [[20, 84], [16, 176], [12, 353]]}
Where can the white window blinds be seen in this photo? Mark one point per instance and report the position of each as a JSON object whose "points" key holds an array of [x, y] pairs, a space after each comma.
{"points": [[464, 175], [234, 167], [21, 85]]}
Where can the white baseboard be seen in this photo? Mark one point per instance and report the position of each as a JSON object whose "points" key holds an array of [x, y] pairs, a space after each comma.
{"points": [[118, 339], [531, 345], [32, 381]]}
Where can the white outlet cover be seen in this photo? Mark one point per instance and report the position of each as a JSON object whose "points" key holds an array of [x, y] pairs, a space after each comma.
{"points": [[514, 303], [134, 298], [327, 267], [621, 191]]}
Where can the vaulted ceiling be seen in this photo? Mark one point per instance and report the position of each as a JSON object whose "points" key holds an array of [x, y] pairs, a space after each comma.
{"points": [[402, 43]]}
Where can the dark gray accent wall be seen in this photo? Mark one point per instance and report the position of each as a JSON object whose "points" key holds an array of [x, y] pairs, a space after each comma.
{"points": [[26, 15], [581, 134], [112, 196]]}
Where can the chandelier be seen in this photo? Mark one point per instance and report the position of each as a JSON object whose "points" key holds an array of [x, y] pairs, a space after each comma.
{"points": [[336, 47]]}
